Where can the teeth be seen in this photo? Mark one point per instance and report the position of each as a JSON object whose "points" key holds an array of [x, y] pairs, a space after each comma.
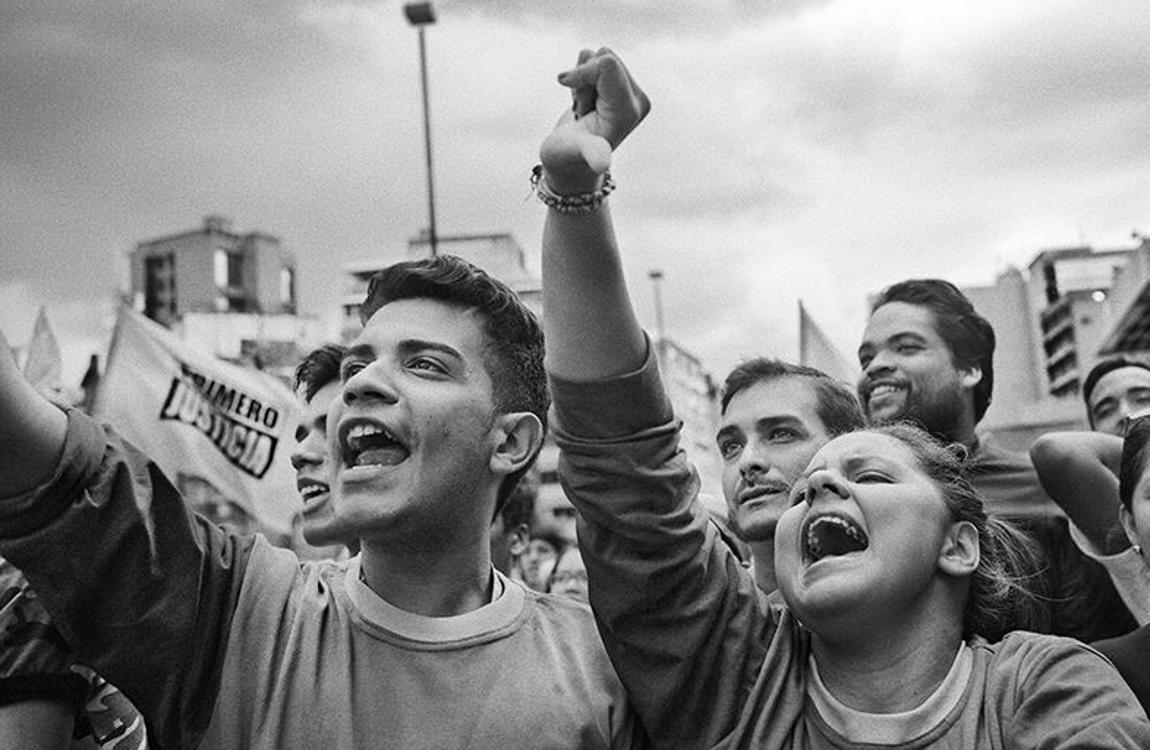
{"points": [[882, 390], [313, 491], [834, 535], [367, 430], [369, 444]]}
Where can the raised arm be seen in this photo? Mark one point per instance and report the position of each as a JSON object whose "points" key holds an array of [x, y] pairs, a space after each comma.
{"points": [[31, 429], [592, 331], [672, 602], [1079, 470]]}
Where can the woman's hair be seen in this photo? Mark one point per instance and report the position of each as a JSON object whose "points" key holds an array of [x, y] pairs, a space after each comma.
{"points": [[1001, 598], [1134, 458]]}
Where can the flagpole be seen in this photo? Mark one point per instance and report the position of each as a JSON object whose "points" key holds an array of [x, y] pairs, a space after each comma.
{"points": [[113, 345]]}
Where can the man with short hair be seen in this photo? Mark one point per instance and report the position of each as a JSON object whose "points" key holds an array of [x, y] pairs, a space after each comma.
{"points": [[316, 382], [226, 641], [511, 529], [774, 417], [1114, 389], [928, 356]]}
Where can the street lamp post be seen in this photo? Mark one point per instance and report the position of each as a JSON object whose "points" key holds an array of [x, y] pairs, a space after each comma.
{"points": [[421, 15], [656, 277]]}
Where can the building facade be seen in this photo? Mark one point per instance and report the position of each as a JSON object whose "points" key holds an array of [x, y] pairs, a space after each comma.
{"points": [[213, 269], [232, 294], [1072, 307], [498, 254], [1070, 292]]}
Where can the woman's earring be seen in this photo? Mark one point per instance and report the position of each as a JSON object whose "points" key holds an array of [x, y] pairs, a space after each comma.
{"points": [[1137, 549]]}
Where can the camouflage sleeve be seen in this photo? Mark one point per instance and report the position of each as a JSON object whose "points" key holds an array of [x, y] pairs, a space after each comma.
{"points": [[35, 663]]}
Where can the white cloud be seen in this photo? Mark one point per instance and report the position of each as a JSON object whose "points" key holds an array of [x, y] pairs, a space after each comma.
{"points": [[818, 149]]}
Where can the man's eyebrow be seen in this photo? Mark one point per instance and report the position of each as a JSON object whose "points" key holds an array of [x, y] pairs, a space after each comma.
{"points": [[1107, 401], [358, 351], [777, 419], [726, 430], [407, 346]]}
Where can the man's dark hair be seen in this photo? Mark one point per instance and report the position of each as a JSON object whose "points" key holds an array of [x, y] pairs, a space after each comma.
{"points": [[836, 404], [318, 368], [513, 352], [1100, 370], [968, 335]]}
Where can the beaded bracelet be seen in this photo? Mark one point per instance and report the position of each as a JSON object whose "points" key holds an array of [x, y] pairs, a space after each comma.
{"points": [[570, 204]]}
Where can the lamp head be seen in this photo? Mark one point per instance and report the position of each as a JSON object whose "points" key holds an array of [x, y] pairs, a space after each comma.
{"points": [[419, 14]]}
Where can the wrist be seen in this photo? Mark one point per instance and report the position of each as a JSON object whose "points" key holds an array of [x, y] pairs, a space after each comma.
{"points": [[570, 181], [583, 201]]}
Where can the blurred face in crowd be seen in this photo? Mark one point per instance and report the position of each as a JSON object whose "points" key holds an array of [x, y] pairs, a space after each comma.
{"points": [[908, 371], [553, 515], [312, 468], [537, 562], [768, 434], [1118, 394], [507, 544], [569, 577]]}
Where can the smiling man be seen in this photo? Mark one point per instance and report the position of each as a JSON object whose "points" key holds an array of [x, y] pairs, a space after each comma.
{"points": [[417, 642], [927, 356]]}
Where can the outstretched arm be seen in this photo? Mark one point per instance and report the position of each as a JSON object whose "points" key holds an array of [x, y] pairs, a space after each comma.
{"points": [[1079, 470], [31, 429], [592, 331]]}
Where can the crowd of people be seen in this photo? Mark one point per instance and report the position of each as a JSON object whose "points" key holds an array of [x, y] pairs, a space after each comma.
{"points": [[885, 575]]}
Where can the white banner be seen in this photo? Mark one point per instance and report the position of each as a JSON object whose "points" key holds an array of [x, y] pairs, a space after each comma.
{"points": [[816, 350], [222, 433]]}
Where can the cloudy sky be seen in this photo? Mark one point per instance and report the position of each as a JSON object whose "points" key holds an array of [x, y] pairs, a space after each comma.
{"points": [[818, 149]]}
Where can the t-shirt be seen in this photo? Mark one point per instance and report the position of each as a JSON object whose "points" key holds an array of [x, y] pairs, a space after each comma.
{"points": [[708, 662], [1083, 601], [35, 663], [1128, 572], [230, 640], [1131, 655]]}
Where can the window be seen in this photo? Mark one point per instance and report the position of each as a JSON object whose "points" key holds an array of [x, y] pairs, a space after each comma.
{"points": [[287, 287], [228, 269], [159, 288]]}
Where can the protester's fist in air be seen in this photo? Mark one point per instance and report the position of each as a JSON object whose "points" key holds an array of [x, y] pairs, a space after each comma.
{"points": [[607, 105]]}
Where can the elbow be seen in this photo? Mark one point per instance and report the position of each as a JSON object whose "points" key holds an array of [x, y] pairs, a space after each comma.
{"points": [[1049, 451]]}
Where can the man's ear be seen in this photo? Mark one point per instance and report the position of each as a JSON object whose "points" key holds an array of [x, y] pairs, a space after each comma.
{"points": [[519, 537], [517, 437], [970, 376], [960, 551]]}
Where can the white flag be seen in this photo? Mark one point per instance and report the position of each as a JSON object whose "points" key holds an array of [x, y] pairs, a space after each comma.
{"points": [[42, 366], [222, 433], [816, 350]]}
